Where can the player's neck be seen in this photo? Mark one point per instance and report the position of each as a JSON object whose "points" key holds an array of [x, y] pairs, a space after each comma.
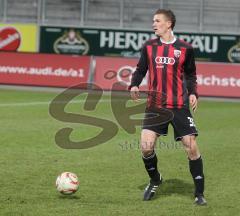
{"points": [[168, 37]]}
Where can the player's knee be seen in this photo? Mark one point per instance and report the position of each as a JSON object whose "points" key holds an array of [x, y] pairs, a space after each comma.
{"points": [[147, 147], [191, 147], [189, 142], [148, 139]]}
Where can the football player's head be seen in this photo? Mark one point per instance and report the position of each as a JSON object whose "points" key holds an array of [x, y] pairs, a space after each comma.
{"points": [[163, 21]]}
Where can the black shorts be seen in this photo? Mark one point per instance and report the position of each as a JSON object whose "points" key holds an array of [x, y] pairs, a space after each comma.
{"points": [[182, 122]]}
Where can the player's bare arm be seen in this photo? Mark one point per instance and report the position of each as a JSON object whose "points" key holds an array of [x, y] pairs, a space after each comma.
{"points": [[193, 102]]}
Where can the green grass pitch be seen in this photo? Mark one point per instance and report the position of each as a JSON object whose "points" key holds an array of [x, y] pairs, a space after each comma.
{"points": [[111, 175]]}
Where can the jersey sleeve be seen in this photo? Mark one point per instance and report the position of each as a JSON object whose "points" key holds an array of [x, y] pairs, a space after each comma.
{"points": [[190, 72], [141, 69]]}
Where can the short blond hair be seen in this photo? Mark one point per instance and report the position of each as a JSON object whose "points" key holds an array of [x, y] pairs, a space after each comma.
{"points": [[169, 14]]}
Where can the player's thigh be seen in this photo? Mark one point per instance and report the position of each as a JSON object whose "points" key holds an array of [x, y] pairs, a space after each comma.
{"points": [[189, 141], [152, 127]]}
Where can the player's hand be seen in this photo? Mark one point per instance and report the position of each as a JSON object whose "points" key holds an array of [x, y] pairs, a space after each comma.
{"points": [[134, 92], [193, 102]]}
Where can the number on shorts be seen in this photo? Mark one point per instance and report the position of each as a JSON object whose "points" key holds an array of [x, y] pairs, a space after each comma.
{"points": [[192, 124]]}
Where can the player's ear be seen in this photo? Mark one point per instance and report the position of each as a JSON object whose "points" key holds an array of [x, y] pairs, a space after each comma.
{"points": [[169, 24]]}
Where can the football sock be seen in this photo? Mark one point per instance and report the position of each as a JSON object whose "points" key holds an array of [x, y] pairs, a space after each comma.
{"points": [[150, 163], [196, 169]]}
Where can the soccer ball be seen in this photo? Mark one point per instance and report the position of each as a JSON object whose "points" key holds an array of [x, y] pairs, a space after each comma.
{"points": [[67, 183]]}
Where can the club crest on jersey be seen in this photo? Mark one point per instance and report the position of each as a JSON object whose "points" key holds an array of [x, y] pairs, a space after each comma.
{"points": [[177, 53]]}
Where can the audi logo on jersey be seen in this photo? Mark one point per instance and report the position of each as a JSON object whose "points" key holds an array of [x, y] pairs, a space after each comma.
{"points": [[160, 61]]}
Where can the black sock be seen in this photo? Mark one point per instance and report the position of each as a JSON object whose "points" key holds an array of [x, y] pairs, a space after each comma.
{"points": [[151, 167], [196, 169]]}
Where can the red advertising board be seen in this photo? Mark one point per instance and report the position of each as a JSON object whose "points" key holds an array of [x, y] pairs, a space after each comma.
{"points": [[43, 69], [110, 70], [214, 79], [218, 79]]}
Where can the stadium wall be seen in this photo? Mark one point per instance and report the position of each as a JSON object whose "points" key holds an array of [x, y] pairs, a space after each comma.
{"points": [[109, 42]]}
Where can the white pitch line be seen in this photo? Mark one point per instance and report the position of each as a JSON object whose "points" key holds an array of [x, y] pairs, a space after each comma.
{"points": [[103, 101], [23, 104], [42, 103]]}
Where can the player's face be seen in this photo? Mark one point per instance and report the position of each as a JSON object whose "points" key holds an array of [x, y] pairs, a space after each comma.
{"points": [[160, 24]]}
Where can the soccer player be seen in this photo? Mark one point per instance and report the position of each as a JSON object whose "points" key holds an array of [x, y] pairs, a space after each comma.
{"points": [[172, 86]]}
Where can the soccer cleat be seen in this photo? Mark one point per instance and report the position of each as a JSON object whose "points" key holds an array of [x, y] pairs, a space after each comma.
{"points": [[150, 190], [200, 200]]}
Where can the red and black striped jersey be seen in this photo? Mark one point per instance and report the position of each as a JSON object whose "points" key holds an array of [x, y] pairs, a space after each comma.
{"points": [[171, 70]]}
